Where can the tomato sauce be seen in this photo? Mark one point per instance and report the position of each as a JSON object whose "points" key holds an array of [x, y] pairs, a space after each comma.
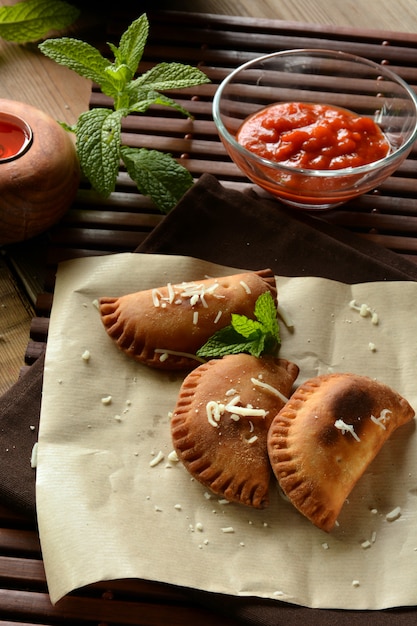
{"points": [[313, 136]]}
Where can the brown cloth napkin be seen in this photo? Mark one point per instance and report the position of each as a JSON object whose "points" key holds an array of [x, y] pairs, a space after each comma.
{"points": [[241, 230]]}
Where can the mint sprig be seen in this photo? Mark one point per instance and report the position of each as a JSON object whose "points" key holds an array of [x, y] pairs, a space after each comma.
{"points": [[31, 20], [98, 131], [253, 336]]}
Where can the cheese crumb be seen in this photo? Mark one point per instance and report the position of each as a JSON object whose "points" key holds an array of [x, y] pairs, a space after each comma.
{"points": [[228, 529], [346, 428], [394, 514], [106, 400], [159, 457], [355, 583], [86, 355], [173, 457]]}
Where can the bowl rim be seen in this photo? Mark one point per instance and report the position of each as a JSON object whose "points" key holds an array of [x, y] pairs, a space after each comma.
{"points": [[332, 173]]}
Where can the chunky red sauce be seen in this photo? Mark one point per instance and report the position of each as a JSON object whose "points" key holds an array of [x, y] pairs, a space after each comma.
{"points": [[313, 136]]}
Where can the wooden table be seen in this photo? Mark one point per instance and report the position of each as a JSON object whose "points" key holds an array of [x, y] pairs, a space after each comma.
{"points": [[28, 76]]}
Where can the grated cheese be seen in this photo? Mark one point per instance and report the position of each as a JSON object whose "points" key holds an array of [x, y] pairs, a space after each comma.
{"points": [[273, 390], [245, 287], [346, 428], [383, 417], [218, 316], [394, 514], [106, 400], [165, 354], [159, 457], [253, 439]]}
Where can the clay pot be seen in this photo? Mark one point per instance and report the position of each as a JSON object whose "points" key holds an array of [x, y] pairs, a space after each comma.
{"points": [[40, 181]]}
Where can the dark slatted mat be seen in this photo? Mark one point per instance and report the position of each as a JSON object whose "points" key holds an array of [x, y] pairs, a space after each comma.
{"points": [[94, 227]]}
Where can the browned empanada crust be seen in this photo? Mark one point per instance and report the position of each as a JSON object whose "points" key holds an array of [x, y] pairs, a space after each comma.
{"points": [[324, 438], [162, 327], [220, 423]]}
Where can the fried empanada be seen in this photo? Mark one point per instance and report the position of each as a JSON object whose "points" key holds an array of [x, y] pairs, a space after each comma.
{"points": [[324, 438], [164, 327], [220, 423]]}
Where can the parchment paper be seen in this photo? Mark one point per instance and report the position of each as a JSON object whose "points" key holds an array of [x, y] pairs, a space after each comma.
{"points": [[106, 513]]}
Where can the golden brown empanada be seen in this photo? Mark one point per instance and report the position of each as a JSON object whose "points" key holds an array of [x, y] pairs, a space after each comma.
{"points": [[164, 327], [324, 438], [221, 419]]}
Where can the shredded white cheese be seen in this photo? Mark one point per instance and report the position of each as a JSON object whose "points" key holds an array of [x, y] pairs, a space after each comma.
{"points": [[383, 417], [159, 457], [228, 529], [245, 286], [106, 400], [273, 390], [173, 457], [346, 428], [218, 316], [165, 354], [394, 514], [253, 439], [365, 310]]}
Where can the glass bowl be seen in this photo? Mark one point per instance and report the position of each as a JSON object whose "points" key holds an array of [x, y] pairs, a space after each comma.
{"points": [[323, 77]]}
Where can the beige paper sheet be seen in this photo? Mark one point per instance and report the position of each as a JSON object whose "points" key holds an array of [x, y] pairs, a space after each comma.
{"points": [[106, 513]]}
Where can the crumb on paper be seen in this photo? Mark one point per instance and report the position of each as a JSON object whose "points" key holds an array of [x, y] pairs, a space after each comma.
{"points": [[365, 310], [394, 514], [106, 400], [355, 583], [86, 356], [157, 459], [173, 457]]}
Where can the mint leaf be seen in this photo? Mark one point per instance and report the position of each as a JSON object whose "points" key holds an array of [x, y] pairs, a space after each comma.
{"points": [[245, 326], [170, 76], [132, 44], [98, 132], [157, 175], [266, 314], [32, 19], [82, 58], [98, 146], [256, 337], [224, 341]]}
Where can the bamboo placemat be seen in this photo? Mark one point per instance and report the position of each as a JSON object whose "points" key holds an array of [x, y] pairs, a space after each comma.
{"points": [[388, 216]]}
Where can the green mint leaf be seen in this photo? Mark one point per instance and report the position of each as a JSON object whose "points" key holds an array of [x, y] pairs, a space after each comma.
{"points": [[256, 337], [82, 58], [157, 175], [224, 341], [98, 147], [266, 314], [139, 101], [245, 326], [171, 76], [32, 19], [132, 44]]}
